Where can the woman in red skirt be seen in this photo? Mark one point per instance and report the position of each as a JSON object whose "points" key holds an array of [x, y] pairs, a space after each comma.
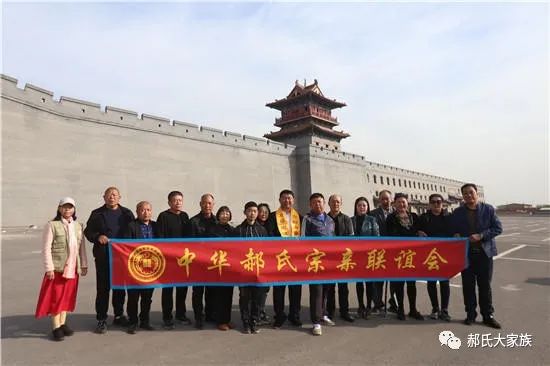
{"points": [[64, 260]]}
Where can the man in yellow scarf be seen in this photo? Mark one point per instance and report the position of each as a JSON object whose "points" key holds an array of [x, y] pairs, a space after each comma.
{"points": [[286, 222]]}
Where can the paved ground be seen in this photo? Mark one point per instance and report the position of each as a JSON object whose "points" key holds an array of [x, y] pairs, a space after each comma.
{"points": [[521, 294]]}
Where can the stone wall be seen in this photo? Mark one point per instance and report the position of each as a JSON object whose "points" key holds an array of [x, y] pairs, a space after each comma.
{"points": [[70, 147]]}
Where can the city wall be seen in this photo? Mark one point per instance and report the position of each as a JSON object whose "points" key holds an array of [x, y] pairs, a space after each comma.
{"points": [[69, 147]]}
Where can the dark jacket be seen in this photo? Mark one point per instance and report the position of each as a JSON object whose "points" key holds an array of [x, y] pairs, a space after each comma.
{"points": [[342, 225], [171, 225], [221, 231], [435, 225], [271, 224], [97, 225], [200, 225], [394, 227], [251, 231], [133, 231], [368, 228], [489, 226], [317, 225], [378, 214]]}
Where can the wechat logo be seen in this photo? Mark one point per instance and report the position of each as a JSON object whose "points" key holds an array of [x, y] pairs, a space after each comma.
{"points": [[448, 339]]}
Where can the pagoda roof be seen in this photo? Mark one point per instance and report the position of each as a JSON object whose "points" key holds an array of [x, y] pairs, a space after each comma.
{"points": [[300, 92], [299, 129]]}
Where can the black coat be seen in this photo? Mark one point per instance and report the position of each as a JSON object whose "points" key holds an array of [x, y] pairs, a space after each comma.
{"points": [[433, 225], [342, 225], [395, 228], [201, 226], [134, 231], [271, 224], [171, 225], [251, 231], [221, 231], [97, 226], [378, 214]]}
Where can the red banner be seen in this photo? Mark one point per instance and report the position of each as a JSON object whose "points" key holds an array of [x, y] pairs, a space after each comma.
{"points": [[278, 261]]}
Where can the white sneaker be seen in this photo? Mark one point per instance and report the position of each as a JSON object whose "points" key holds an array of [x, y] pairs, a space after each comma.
{"points": [[317, 330], [328, 321]]}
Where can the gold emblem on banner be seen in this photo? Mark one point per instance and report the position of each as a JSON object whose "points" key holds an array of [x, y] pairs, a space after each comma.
{"points": [[146, 263]]}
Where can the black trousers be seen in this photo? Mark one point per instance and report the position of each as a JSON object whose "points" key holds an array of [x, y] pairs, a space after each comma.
{"points": [[480, 271], [445, 290], [103, 287], [263, 298], [329, 299], [145, 305], [398, 289], [249, 303], [168, 302], [294, 299], [379, 294], [316, 303], [198, 293], [374, 292], [222, 298]]}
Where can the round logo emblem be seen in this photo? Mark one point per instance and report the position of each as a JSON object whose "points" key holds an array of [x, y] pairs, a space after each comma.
{"points": [[146, 263]]}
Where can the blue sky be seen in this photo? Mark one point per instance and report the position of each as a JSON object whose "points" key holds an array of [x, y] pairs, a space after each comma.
{"points": [[453, 89]]}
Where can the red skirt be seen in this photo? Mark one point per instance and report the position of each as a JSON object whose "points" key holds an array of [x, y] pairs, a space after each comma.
{"points": [[57, 295]]}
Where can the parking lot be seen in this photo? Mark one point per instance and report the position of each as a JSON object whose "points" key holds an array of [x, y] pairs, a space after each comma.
{"points": [[521, 297]]}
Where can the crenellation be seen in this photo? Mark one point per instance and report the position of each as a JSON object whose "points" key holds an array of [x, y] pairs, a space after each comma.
{"points": [[212, 133], [146, 117], [186, 124], [120, 111], [8, 78], [38, 90], [82, 107], [252, 138]]}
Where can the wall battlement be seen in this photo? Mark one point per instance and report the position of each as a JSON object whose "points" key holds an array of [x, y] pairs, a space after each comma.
{"points": [[83, 110]]}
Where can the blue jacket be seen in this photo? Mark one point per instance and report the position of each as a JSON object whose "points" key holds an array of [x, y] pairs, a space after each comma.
{"points": [[489, 226]]}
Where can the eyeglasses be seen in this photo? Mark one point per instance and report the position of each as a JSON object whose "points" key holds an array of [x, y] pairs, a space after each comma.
{"points": [[436, 202]]}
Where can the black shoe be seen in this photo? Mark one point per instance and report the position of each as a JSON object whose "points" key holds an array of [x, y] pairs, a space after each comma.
{"points": [[401, 315], [146, 326], [254, 329], [264, 319], [184, 319], [416, 315], [444, 315], [491, 322], [296, 322], [277, 324], [66, 330], [101, 327], [132, 328], [198, 323], [247, 329], [347, 317], [58, 334], [469, 321], [121, 321], [361, 311], [393, 308], [168, 324]]}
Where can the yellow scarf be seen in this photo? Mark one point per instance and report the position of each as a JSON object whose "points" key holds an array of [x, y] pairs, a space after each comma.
{"points": [[282, 224]]}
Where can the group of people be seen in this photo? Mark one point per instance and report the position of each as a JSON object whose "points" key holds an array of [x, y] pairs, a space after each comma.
{"points": [[65, 259]]}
